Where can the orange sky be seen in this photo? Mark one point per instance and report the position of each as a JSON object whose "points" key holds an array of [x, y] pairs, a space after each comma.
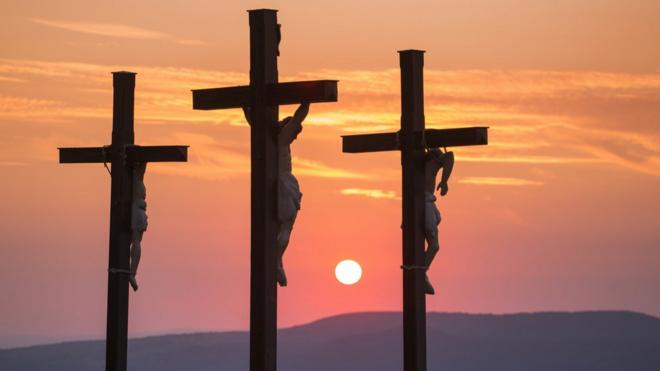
{"points": [[559, 212]]}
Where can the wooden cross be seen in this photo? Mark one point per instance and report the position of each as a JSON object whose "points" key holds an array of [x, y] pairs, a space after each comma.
{"points": [[122, 154], [263, 96], [412, 141]]}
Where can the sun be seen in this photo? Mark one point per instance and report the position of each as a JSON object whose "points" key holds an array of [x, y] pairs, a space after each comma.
{"points": [[348, 272]]}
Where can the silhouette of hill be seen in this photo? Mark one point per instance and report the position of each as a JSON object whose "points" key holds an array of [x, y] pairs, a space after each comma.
{"points": [[583, 341]]}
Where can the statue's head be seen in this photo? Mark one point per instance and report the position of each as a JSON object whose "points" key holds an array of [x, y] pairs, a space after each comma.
{"points": [[298, 131], [435, 152], [139, 189], [139, 192], [139, 169], [285, 121]]}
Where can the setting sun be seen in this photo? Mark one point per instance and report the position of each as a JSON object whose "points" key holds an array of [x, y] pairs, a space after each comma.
{"points": [[348, 272]]}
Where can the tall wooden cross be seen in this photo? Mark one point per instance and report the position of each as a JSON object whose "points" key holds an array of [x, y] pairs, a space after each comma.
{"points": [[122, 154], [263, 96], [412, 141]]}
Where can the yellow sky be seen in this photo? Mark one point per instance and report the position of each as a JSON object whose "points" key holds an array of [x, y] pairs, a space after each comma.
{"points": [[560, 211]]}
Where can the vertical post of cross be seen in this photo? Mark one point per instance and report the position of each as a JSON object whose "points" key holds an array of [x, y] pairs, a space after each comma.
{"points": [[412, 140], [120, 219], [263, 290], [413, 177]]}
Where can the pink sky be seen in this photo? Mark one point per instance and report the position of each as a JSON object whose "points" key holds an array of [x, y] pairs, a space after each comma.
{"points": [[559, 212]]}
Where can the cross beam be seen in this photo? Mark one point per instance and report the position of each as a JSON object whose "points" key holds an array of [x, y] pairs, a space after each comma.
{"points": [[276, 94], [263, 96], [134, 154], [432, 138], [122, 154], [412, 140]]}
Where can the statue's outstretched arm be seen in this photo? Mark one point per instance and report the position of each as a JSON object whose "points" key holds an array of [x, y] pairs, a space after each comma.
{"points": [[301, 113], [447, 165], [294, 125], [444, 161]]}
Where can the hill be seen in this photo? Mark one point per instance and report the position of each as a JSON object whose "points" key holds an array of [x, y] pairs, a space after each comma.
{"points": [[552, 341]]}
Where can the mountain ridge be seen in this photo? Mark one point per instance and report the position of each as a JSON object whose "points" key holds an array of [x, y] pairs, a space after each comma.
{"points": [[552, 340], [352, 314]]}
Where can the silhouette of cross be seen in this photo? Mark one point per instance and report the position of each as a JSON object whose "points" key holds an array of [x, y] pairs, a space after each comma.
{"points": [[122, 154], [263, 96], [412, 141]]}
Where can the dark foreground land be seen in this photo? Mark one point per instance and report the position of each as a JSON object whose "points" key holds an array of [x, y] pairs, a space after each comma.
{"points": [[584, 341]]}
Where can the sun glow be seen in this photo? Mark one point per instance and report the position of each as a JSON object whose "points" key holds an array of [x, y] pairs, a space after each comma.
{"points": [[348, 272]]}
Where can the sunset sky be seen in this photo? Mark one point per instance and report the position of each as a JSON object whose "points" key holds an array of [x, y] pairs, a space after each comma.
{"points": [[560, 212]]}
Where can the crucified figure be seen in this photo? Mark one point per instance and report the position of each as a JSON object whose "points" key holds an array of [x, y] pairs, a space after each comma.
{"points": [[288, 189], [435, 160], [138, 219]]}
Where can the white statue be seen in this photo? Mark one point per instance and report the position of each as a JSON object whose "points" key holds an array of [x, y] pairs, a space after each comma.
{"points": [[138, 219], [435, 160], [289, 195]]}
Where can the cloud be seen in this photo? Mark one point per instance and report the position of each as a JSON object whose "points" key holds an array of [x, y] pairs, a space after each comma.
{"points": [[19, 106], [191, 42], [114, 30], [10, 79], [531, 159], [210, 158], [538, 118], [497, 181], [12, 163], [371, 193], [629, 157], [312, 168]]}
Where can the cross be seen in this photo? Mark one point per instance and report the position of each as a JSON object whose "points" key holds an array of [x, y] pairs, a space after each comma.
{"points": [[122, 154], [411, 141], [263, 96]]}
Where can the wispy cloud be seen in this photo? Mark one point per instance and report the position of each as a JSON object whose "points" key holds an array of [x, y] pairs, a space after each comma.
{"points": [[536, 117], [312, 168], [19, 106], [497, 181], [532, 159], [114, 30], [214, 160], [208, 158], [371, 193], [12, 163], [10, 79]]}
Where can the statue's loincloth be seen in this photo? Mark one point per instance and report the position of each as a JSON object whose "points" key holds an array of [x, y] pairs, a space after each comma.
{"points": [[289, 196], [139, 217], [432, 214]]}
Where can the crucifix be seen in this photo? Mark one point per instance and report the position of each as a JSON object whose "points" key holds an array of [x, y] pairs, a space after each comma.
{"points": [[260, 101], [127, 207], [412, 141]]}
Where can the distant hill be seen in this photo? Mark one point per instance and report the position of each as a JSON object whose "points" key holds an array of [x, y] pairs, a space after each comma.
{"points": [[583, 341]]}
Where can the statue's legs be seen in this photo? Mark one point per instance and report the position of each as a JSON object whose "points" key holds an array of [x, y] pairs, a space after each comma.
{"points": [[431, 234], [433, 246], [289, 197], [431, 251], [286, 227], [136, 253]]}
